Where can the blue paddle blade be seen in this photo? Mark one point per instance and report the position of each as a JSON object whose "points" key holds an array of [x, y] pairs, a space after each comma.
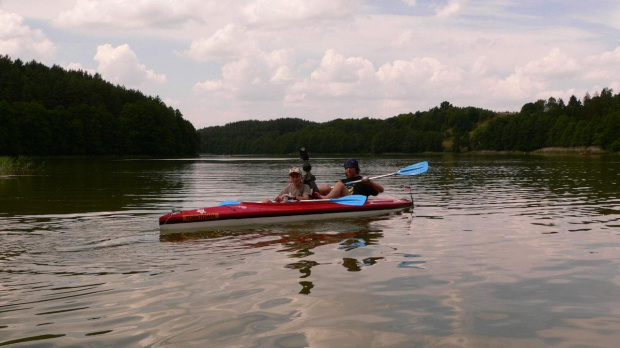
{"points": [[414, 169], [229, 203], [350, 200]]}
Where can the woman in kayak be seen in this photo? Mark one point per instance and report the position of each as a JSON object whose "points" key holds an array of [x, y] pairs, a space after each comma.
{"points": [[366, 187], [296, 190]]}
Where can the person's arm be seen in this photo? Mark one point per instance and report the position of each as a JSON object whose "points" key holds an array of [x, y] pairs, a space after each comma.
{"points": [[302, 198], [283, 193], [375, 186], [305, 194]]}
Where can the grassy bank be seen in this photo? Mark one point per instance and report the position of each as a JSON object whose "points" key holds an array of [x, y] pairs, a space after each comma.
{"points": [[12, 165], [584, 150]]}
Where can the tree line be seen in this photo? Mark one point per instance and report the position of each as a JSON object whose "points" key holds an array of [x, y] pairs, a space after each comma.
{"points": [[408, 133], [52, 111], [446, 128], [551, 123]]}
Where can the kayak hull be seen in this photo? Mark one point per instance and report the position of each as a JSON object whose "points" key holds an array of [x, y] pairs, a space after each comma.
{"points": [[249, 214]]}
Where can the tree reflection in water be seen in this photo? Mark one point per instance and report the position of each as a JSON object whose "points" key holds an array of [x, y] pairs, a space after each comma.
{"points": [[301, 243], [300, 240]]}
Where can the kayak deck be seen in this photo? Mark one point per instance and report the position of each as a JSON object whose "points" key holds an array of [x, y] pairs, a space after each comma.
{"points": [[249, 214]]}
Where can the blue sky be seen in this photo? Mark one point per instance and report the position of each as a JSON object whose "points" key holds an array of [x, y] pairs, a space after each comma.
{"points": [[225, 61]]}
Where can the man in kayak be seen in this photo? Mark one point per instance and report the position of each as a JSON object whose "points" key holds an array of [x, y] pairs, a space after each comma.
{"points": [[366, 187], [296, 190]]}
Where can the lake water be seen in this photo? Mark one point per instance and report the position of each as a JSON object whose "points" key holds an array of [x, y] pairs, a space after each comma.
{"points": [[519, 251]]}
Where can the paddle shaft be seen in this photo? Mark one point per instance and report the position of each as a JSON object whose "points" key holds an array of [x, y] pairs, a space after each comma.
{"points": [[373, 178], [346, 200], [335, 200], [413, 169]]}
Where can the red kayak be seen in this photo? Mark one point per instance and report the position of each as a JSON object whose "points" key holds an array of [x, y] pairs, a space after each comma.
{"points": [[233, 214]]}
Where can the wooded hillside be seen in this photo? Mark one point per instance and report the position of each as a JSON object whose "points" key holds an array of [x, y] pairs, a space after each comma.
{"points": [[51, 111], [544, 123], [551, 123]]}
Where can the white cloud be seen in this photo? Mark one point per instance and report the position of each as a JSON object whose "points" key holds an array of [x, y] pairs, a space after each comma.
{"points": [[264, 76], [537, 75], [289, 12], [517, 86], [283, 74], [20, 41], [228, 43], [121, 65], [337, 68], [483, 66], [211, 86], [606, 58], [78, 67], [326, 58], [604, 67], [606, 13], [175, 103], [418, 77], [405, 39], [120, 14], [563, 94], [297, 98], [90, 13], [155, 14], [340, 76], [453, 8], [41, 10], [555, 63]]}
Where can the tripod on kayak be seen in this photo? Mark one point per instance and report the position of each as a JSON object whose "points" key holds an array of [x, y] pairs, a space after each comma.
{"points": [[308, 178]]}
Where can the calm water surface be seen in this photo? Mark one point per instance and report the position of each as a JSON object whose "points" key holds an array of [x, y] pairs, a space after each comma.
{"points": [[498, 252]]}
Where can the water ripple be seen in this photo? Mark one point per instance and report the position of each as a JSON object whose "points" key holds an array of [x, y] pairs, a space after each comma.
{"points": [[506, 251]]}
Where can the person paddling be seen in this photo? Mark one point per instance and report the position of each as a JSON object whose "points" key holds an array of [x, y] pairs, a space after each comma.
{"points": [[296, 190], [366, 187]]}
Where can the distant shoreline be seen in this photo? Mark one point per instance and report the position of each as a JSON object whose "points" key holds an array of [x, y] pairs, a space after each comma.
{"points": [[583, 150], [577, 150]]}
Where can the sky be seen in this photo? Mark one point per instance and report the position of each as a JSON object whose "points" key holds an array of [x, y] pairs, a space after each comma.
{"points": [[223, 61]]}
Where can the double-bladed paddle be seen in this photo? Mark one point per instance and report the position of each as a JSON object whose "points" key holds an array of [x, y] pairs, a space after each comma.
{"points": [[346, 200], [413, 169], [230, 202]]}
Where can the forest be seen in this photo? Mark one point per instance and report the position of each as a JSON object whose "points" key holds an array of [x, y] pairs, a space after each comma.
{"points": [[51, 111], [446, 128]]}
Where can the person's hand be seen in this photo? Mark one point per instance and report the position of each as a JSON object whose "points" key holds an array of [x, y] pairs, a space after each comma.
{"points": [[285, 197], [365, 180]]}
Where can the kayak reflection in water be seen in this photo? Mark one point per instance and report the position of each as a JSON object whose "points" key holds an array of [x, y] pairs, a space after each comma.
{"points": [[295, 191], [365, 187]]}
